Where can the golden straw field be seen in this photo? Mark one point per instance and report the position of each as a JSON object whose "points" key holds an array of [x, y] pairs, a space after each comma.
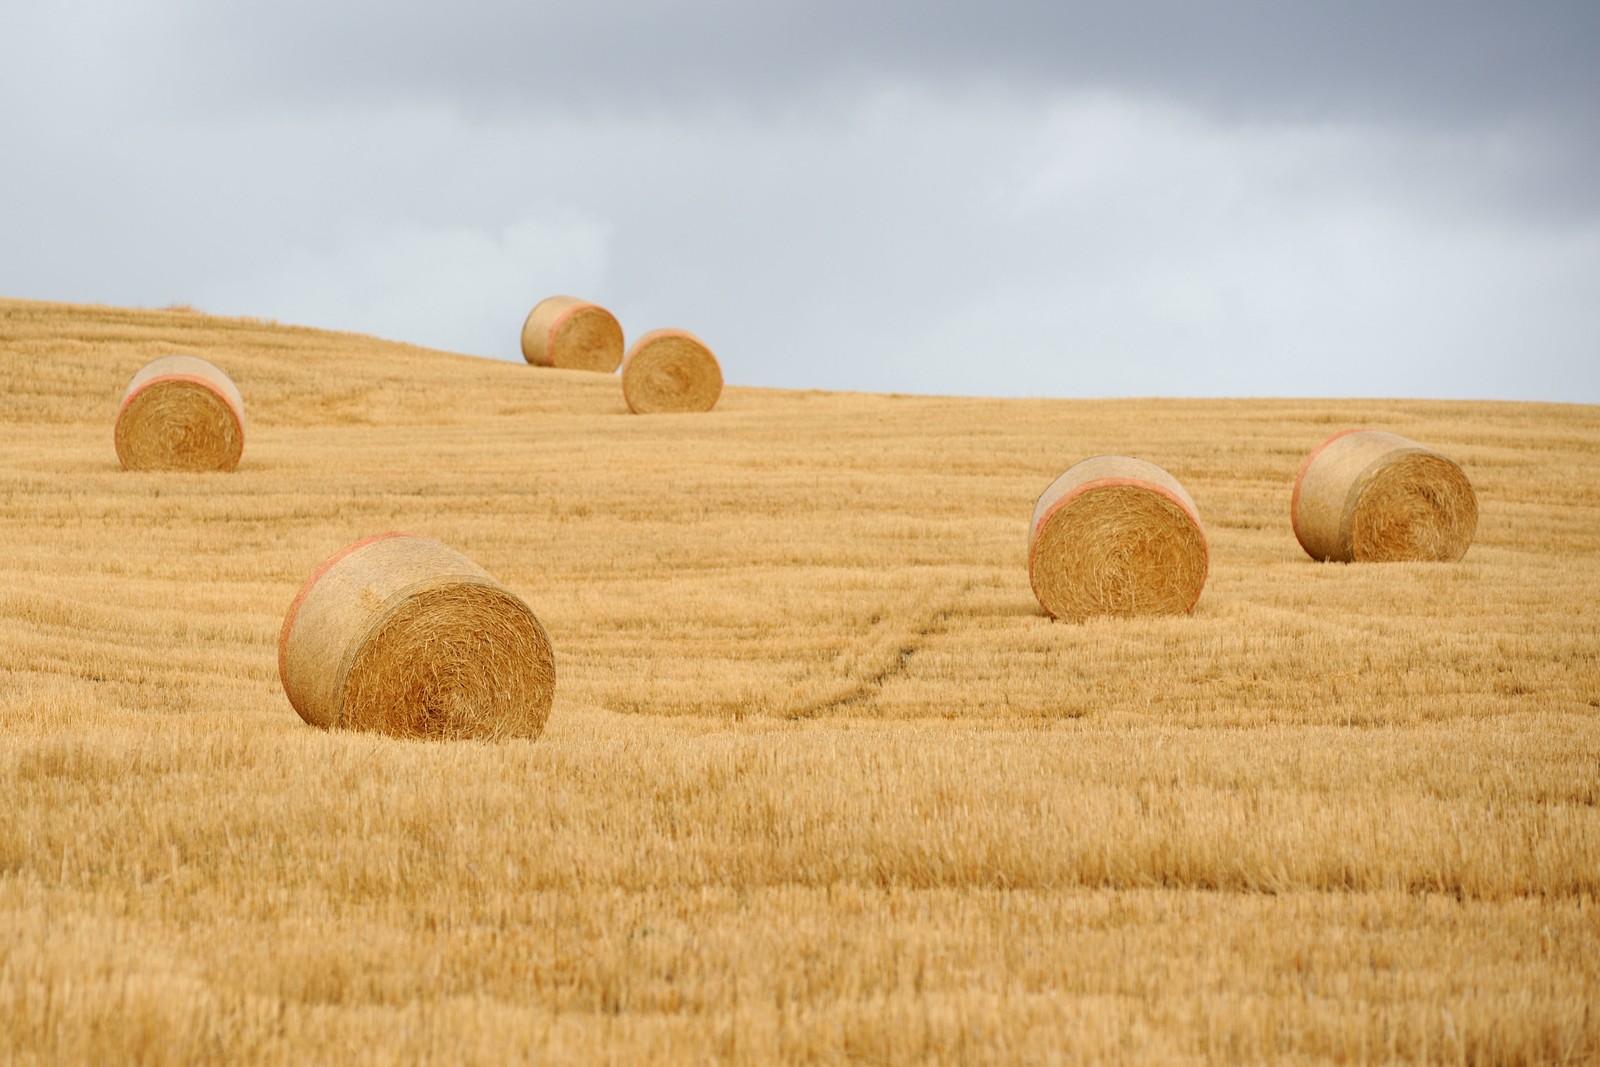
{"points": [[821, 781]]}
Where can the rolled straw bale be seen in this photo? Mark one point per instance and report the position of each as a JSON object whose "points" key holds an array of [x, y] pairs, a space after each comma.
{"points": [[670, 370], [180, 413], [1115, 535], [404, 636], [564, 331], [1371, 496]]}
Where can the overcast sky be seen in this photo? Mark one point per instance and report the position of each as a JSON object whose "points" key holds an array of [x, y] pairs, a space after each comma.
{"points": [[1050, 198]]}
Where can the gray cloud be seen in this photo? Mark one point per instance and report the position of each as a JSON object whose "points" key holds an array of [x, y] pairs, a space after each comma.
{"points": [[1018, 199], [1428, 58]]}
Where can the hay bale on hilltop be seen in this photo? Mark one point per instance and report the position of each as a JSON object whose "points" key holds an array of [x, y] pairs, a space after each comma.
{"points": [[564, 331], [404, 636], [1371, 496], [670, 371], [180, 413], [1115, 535]]}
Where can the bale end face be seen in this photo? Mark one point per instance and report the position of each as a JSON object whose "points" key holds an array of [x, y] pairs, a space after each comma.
{"points": [[403, 636], [1419, 507], [462, 659], [180, 413], [670, 371], [566, 332]]}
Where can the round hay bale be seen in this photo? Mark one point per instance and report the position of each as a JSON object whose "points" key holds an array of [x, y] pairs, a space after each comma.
{"points": [[1116, 536], [404, 636], [670, 370], [564, 331], [1371, 496], [180, 413]]}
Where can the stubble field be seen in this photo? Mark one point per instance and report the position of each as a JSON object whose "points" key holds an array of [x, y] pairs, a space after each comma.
{"points": [[821, 782]]}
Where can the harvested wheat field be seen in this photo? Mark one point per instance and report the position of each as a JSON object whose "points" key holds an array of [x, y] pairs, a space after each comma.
{"points": [[821, 780]]}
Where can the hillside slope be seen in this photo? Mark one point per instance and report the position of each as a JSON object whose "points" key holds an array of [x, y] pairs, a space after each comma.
{"points": [[820, 779]]}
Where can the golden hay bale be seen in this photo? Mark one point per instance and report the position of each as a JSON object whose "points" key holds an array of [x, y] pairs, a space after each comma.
{"points": [[1116, 536], [1370, 496], [670, 370], [563, 331], [404, 636], [180, 413]]}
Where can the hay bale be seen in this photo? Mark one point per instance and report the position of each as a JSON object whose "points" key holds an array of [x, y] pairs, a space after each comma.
{"points": [[180, 413], [670, 370], [564, 331], [1116, 536], [401, 635], [1370, 496]]}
